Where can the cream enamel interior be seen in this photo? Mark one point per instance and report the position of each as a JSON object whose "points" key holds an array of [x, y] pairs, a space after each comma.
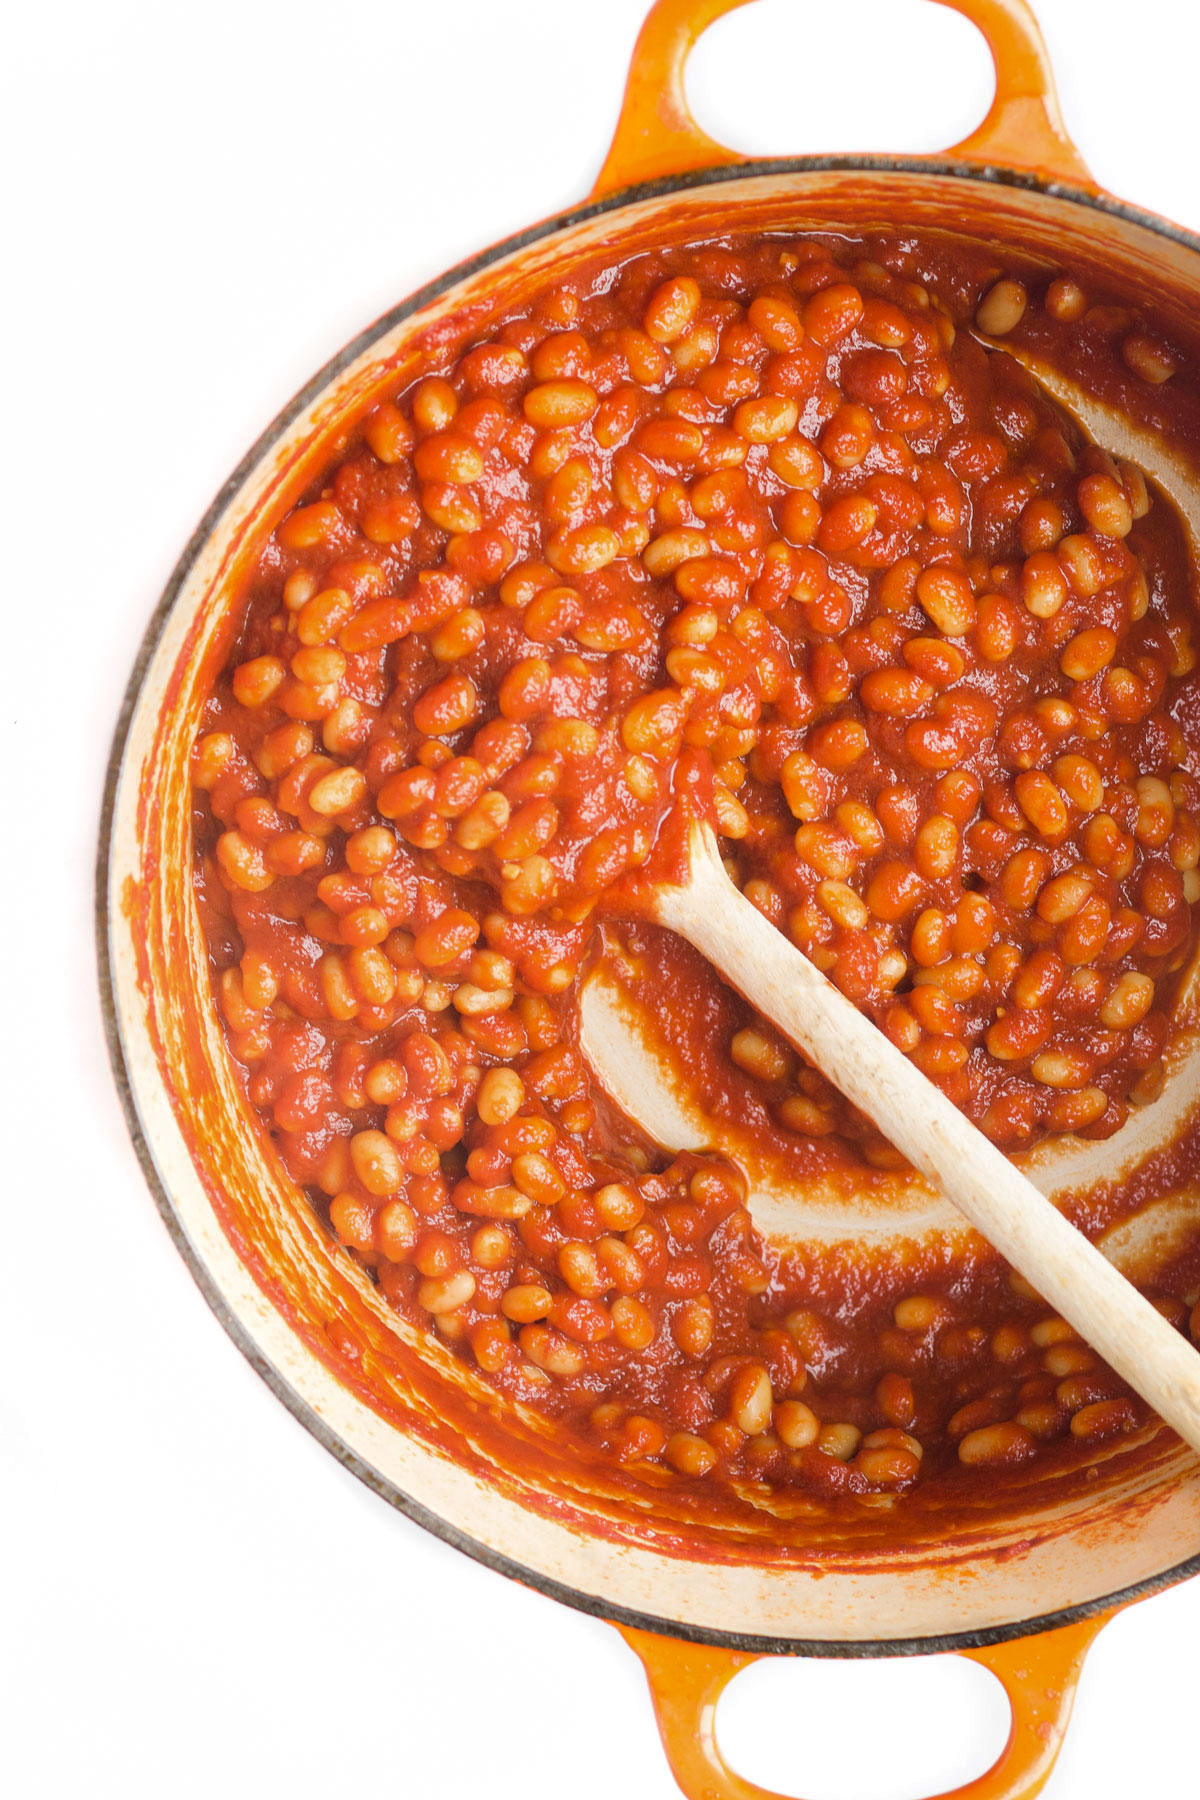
{"points": [[1051, 1550]]}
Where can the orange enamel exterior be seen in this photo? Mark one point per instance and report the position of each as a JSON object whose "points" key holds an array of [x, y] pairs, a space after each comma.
{"points": [[657, 136], [1039, 1675]]}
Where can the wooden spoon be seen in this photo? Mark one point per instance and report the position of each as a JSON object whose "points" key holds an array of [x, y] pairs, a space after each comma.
{"points": [[1069, 1272]]}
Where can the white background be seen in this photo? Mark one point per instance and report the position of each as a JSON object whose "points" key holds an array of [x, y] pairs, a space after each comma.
{"points": [[202, 203]]}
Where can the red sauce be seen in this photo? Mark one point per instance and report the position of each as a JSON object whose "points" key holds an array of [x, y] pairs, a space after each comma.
{"points": [[762, 526]]}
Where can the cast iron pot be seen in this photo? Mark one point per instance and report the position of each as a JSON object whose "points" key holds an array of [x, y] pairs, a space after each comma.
{"points": [[699, 1585]]}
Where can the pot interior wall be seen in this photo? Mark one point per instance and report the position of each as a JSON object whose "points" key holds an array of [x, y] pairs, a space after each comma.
{"points": [[406, 1414]]}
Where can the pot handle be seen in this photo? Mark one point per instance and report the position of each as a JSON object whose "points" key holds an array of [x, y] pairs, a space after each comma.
{"points": [[1039, 1675], [656, 135]]}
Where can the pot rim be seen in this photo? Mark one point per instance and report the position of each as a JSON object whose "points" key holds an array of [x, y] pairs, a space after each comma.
{"points": [[987, 175]]}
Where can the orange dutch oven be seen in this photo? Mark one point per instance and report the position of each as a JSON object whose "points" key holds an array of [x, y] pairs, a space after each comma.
{"points": [[700, 1584]]}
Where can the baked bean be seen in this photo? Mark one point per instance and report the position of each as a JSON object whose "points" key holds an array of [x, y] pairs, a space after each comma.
{"points": [[1102, 1419], [797, 463], [446, 707], [692, 1327], [893, 891], [1081, 781], [762, 1056], [1067, 1359], [633, 1323], [388, 433], [1002, 308], [750, 1399], [798, 1113], [555, 403], [1129, 1002], [1156, 811], [1042, 804], [376, 1162], [255, 682], [795, 1424], [1065, 897], [847, 437], [584, 550], [338, 792], [1065, 301], [931, 937], [1083, 937], [1149, 358], [671, 309], [664, 554], [998, 629], [619, 1206], [434, 404], [899, 693], [947, 600], [1105, 505], [1060, 1068], [1088, 653], [1018, 1034], [939, 663], [887, 1465], [766, 421], [839, 744], [840, 1441], [843, 905], [311, 527], [448, 456], [500, 1097], [997, 1446], [883, 323], [1081, 563], [935, 851], [548, 1350], [846, 523], [446, 1293], [919, 1312], [1043, 585], [690, 1455], [833, 313], [242, 863], [653, 726], [962, 978]]}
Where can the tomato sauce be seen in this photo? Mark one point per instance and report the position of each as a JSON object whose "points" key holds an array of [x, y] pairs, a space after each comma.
{"points": [[766, 527]]}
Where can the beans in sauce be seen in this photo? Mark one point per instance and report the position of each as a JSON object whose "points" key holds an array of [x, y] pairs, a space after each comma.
{"points": [[763, 522]]}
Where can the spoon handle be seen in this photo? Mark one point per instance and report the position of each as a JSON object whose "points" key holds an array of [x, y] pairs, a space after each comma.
{"points": [[1065, 1268]]}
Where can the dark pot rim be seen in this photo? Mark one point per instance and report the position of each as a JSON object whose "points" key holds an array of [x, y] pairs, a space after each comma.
{"points": [[988, 175]]}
